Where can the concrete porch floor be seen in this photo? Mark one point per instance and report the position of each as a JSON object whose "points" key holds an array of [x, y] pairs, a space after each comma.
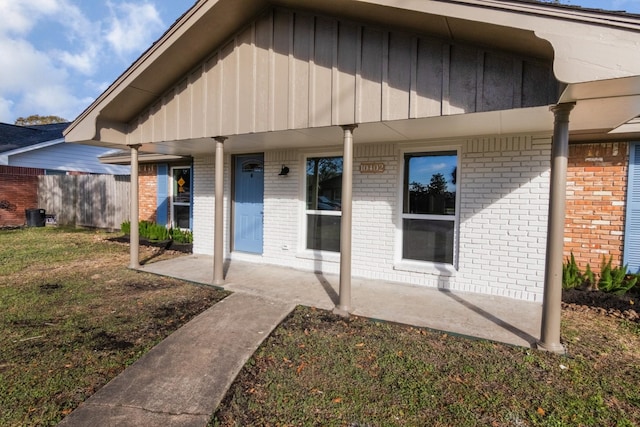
{"points": [[483, 316]]}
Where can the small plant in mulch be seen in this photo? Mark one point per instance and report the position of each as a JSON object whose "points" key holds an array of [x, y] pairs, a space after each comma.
{"points": [[613, 291], [157, 234], [179, 235]]}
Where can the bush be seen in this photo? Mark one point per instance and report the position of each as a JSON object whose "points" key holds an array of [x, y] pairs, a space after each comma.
{"points": [[181, 236], [614, 280], [571, 275], [148, 230]]}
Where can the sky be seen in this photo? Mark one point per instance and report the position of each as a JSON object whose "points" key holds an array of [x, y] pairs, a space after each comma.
{"points": [[57, 56]]}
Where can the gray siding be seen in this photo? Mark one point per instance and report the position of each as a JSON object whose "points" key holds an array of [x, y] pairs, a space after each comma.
{"points": [[67, 157], [290, 70]]}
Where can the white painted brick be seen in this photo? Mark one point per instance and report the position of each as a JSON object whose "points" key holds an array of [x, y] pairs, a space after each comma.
{"points": [[503, 207]]}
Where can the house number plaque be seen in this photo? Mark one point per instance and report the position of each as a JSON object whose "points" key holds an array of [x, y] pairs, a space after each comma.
{"points": [[371, 167]]}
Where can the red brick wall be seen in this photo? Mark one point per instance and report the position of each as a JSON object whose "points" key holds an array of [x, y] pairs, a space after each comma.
{"points": [[148, 185], [596, 194], [18, 189]]}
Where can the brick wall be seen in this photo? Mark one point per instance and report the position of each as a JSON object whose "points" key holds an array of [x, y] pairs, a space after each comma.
{"points": [[504, 191], [596, 193], [148, 185], [18, 191]]}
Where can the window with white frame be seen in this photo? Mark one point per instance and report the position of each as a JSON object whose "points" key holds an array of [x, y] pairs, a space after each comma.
{"points": [[323, 202], [429, 206]]}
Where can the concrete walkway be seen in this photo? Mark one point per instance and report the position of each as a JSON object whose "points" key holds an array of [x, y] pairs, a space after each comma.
{"points": [[182, 380]]}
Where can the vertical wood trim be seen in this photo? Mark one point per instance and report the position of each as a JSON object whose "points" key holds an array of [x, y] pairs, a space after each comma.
{"points": [[246, 80], [446, 79], [335, 105], [272, 75], [385, 75], [281, 76], [312, 73], [357, 110], [517, 83], [292, 74], [254, 77], [413, 91], [236, 77], [479, 81]]}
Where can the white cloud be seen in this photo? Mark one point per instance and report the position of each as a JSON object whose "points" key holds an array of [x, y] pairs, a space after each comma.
{"points": [[56, 56], [19, 17], [132, 27]]}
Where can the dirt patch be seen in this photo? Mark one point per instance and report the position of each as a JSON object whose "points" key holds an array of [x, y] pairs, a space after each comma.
{"points": [[619, 306]]}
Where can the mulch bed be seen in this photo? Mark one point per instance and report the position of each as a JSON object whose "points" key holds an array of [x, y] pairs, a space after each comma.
{"points": [[620, 306]]}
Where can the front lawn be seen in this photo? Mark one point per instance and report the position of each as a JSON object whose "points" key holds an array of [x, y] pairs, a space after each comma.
{"points": [[73, 316]]}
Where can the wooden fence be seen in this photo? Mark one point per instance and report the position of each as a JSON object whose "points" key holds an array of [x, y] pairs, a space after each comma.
{"points": [[100, 201]]}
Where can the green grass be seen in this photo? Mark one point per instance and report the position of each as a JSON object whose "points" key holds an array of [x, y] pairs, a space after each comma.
{"points": [[317, 369], [73, 316]]}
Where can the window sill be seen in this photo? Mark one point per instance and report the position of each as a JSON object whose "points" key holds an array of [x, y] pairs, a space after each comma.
{"points": [[324, 256], [437, 269]]}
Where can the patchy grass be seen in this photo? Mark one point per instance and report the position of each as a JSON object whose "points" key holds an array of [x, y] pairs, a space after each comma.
{"points": [[73, 316], [318, 369]]}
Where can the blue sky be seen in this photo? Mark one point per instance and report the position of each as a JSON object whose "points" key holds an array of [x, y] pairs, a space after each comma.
{"points": [[57, 56]]}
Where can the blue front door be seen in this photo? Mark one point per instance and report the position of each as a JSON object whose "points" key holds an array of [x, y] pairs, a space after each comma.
{"points": [[249, 203]]}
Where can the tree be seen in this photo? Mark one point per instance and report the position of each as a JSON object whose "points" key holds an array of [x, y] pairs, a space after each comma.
{"points": [[37, 119], [438, 184]]}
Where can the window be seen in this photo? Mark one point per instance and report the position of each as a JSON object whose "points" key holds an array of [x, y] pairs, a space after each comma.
{"points": [[429, 206], [181, 197], [323, 207]]}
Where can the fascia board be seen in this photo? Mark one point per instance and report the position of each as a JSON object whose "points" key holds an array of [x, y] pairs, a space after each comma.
{"points": [[33, 147]]}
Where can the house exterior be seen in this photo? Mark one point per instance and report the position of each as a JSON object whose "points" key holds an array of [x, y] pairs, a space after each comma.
{"points": [[420, 142], [27, 152]]}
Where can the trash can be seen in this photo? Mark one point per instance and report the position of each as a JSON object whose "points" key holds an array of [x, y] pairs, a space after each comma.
{"points": [[35, 217]]}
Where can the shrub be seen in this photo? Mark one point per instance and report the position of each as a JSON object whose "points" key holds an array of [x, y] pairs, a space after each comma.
{"points": [[571, 275], [181, 236], [157, 232], [147, 230], [615, 280]]}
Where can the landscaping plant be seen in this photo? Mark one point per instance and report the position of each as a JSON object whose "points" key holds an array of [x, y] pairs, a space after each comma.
{"points": [[613, 280]]}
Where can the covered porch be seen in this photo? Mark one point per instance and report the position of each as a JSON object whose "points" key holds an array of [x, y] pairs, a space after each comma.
{"points": [[475, 315]]}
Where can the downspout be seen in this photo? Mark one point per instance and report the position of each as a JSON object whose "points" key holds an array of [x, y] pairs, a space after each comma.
{"points": [[552, 297], [344, 306], [134, 235]]}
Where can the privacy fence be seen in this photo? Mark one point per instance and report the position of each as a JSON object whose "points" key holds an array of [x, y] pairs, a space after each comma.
{"points": [[100, 201]]}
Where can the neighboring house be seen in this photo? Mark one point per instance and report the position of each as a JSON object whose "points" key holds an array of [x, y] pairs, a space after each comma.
{"points": [[437, 131], [29, 151]]}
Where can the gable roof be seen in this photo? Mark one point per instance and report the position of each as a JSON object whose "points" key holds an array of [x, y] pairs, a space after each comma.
{"points": [[14, 137], [585, 45]]}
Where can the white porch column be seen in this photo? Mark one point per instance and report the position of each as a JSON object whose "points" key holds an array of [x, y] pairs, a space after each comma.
{"points": [[218, 246], [344, 306], [552, 298], [134, 234]]}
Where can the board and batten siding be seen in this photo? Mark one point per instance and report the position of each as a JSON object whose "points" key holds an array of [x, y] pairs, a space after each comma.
{"points": [[290, 70]]}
